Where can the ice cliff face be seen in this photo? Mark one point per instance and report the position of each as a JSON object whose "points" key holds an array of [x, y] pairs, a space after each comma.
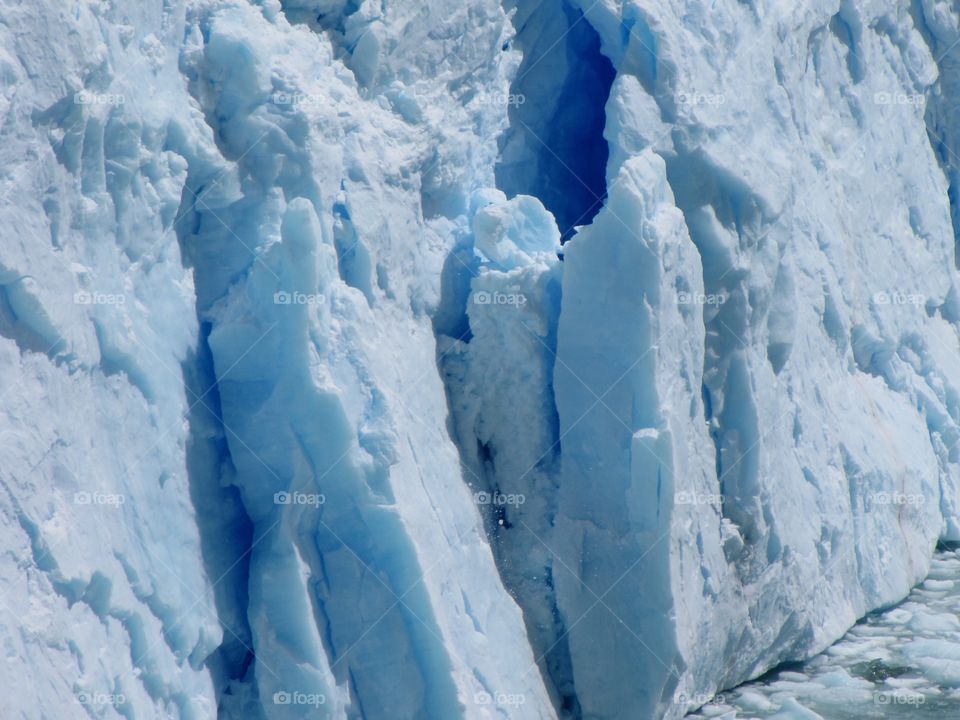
{"points": [[229, 242], [307, 412]]}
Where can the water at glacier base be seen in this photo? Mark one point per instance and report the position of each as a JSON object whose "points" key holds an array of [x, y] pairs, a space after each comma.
{"points": [[902, 662]]}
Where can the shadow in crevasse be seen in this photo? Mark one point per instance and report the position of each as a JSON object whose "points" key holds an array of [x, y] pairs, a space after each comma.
{"points": [[225, 535], [554, 148]]}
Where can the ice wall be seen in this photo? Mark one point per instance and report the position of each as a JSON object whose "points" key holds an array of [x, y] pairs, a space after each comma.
{"points": [[106, 605], [755, 370], [371, 582], [229, 481], [308, 413]]}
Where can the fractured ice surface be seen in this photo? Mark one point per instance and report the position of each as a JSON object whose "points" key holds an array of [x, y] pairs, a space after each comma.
{"points": [[306, 411], [755, 370]]}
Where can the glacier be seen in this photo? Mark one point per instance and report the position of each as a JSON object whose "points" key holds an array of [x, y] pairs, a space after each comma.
{"points": [[477, 359]]}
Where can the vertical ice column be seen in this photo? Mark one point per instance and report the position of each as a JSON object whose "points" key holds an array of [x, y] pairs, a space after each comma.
{"points": [[626, 373]]}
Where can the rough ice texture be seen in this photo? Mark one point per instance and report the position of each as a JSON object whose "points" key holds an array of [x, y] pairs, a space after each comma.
{"points": [[305, 413], [756, 367], [258, 209]]}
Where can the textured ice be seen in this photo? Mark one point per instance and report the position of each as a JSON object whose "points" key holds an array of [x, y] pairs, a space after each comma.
{"points": [[307, 413], [755, 364], [243, 382]]}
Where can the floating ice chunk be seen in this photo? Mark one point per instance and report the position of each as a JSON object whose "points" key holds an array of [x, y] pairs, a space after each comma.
{"points": [[938, 660], [752, 701], [929, 623], [792, 710]]}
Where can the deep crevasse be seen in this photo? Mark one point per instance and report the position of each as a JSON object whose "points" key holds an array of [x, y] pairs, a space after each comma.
{"points": [[355, 580], [371, 584], [259, 258]]}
